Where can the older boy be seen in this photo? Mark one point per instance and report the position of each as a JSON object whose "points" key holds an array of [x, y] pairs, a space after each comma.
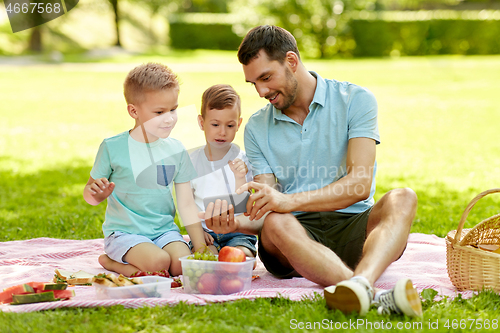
{"points": [[135, 171]]}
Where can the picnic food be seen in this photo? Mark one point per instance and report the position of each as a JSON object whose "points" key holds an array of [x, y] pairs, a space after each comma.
{"points": [[232, 254], [206, 254], [231, 285], [162, 273], [80, 277], [111, 280], [208, 284], [34, 292]]}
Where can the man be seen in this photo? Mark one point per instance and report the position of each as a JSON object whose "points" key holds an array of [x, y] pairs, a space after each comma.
{"points": [[312, 150]]}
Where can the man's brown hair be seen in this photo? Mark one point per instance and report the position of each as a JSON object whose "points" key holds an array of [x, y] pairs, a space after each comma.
{"points": [[146, 78], [219, 97], [275, 41]]}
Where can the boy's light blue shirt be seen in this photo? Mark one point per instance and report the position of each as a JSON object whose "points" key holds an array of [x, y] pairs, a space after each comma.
{"points": [[312, 156], [142, 201]]}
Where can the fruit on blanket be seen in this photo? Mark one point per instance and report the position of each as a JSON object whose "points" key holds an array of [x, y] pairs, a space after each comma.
{"points": [[232, 254], [33, 292], [208, 284], [162, 273], [51, 286], [63, 294], [231, 285], [33, 298], [6, 295]]}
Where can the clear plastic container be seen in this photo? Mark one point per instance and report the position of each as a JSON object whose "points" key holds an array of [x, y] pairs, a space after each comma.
{"points": [[152, 286], [216, 277]]}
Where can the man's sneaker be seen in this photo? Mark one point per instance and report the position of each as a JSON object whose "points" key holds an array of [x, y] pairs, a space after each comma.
{"points": [[354, 295], [403, 298]]}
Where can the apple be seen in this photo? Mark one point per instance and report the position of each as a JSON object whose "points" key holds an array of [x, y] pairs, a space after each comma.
{"points": [[230, 285], [208, 284], [232, 254]]}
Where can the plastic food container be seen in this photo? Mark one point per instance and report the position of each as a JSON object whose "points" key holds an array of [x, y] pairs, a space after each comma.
{"points": [[216, 277], [152, 286]]}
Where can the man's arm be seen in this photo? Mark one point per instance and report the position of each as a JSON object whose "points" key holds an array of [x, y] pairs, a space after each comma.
{"points": [[352, 188]]}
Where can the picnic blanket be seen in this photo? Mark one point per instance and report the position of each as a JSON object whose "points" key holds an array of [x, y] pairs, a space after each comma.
{"points": [[424, 261]]}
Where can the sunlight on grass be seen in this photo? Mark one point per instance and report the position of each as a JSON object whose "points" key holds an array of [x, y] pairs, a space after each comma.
{"points": [[438, 121]]}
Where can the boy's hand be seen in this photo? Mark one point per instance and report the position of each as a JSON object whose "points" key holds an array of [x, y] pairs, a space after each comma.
{"points": [[219, 217], [238, 167], [101, 188], [208, 238]]}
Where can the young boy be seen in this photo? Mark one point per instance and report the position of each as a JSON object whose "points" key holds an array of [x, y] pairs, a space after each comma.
{"points": [[221, 165], [135, 171]]}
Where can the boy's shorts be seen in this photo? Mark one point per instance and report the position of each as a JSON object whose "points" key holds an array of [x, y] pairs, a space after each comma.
{"points": [[343, 233], [119, 243], [234, 239]]}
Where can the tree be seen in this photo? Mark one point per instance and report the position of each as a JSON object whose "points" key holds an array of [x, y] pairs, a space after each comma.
{"points": [[318, 25]]}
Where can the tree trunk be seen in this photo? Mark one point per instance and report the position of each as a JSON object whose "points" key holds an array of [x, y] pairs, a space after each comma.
{"points": [[35, 43], [114, 3]]}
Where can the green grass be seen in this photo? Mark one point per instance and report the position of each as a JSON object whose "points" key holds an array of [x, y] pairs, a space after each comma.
{"points": [[438, 119]]}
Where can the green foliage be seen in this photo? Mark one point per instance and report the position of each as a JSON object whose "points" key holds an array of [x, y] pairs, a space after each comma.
{"points": [[212, 36], [424, 37], [438, 121]]}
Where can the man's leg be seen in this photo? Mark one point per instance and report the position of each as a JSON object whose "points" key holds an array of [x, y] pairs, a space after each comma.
{"points": [[388, 227], [285, 238], [387, 231]]}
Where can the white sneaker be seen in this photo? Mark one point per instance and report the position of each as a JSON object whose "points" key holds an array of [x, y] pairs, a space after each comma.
{"points": [[354, 295], [403, 298]]}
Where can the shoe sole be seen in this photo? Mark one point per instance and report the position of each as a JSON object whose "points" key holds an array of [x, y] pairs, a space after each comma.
{"points": [[347, 297], [407, 298]]}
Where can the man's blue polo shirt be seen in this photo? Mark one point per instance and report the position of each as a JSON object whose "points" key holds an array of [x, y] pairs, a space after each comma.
{"points": [[311, 156]]}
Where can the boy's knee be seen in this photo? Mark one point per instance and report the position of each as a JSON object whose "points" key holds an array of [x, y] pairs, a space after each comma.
{"points": [[160, 262]]}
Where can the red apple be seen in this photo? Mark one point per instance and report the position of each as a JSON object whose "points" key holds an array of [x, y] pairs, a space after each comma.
{"points": [[232, 254], [231, 285], [208, 284]]}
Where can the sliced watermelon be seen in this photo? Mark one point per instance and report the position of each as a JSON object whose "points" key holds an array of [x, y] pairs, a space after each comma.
{"points": [[55, 286], [36, 286], [47, 296], [63, 294], [6, 295]]}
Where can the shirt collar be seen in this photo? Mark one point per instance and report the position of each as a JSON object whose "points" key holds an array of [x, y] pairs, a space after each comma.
{"points": [[319, 97]]}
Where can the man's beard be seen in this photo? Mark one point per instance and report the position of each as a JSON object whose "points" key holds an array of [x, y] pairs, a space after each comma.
{"points": [[290, 92]]}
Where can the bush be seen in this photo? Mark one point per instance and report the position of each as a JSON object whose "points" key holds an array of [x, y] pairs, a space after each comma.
{"points": [[379, 37], [218, 36]]}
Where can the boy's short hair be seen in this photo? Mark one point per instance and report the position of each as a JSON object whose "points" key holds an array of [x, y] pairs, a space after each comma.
{"points": [[275, 41], [219, 97], [146, 78]]}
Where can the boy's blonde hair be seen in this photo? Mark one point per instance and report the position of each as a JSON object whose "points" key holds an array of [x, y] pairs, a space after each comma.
{"points": [[146, 78], [219, 97]]}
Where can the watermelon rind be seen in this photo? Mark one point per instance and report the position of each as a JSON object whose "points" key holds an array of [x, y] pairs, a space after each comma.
{"points": [[55, 286], [33, 298]]}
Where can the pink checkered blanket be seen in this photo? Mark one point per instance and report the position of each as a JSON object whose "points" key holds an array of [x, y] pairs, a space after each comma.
{"points": [[424, 261]]}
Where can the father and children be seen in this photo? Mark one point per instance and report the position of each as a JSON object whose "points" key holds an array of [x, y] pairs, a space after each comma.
{"points": [[309, 169]]}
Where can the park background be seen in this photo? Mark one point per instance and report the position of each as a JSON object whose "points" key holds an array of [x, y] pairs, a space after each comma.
{"points": [[434, 67]]}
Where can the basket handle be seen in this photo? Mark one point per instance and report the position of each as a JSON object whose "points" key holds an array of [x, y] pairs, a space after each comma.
{"points": [[467, 210]]}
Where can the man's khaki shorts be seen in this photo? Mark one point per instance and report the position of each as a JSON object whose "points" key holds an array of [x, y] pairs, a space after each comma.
{"points": [[343, 233]]}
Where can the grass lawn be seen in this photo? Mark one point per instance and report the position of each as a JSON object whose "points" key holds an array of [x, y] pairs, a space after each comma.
{"points": [[438, 120]]}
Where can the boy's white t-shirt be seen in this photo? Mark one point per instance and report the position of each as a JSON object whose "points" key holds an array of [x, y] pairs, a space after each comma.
{"points": [[210, 180]]}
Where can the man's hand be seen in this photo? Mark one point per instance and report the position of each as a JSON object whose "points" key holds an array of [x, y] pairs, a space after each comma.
{"points": [[265, 199], [219, 217], [238, 167]]}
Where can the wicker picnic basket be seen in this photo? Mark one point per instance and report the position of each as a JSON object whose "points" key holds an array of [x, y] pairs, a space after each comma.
{"points": [[469, 267]]}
